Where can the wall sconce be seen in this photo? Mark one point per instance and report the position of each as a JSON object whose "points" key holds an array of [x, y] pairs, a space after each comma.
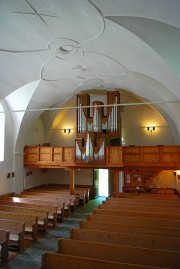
{"points": [[67, 131], [151, 128]]}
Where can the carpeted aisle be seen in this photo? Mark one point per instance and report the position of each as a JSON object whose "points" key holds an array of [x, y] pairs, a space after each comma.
{"points": [[31, 257]]}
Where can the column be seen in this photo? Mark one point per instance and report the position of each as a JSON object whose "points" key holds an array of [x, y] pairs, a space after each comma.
{"points": [[116, 183], [72, 180]]}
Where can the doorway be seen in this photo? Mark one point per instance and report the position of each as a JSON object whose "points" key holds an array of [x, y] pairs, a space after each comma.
{"points": [[101, 182]]}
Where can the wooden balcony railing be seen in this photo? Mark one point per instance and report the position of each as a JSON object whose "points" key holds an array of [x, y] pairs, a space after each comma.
{"points": [[164, 157]]}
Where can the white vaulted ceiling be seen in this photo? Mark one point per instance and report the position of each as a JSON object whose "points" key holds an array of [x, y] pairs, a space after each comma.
{"points": [[53, 49]]}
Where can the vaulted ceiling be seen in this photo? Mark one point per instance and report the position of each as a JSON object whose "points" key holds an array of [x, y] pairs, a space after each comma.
{"points": [[52, 49]]}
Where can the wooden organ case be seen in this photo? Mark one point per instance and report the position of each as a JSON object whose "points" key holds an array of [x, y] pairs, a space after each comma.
{"points": [[97, 125]]}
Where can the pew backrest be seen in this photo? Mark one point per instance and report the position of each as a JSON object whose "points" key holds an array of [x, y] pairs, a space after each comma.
{"points": [[118, 253], [17, 231], [119, 238]]}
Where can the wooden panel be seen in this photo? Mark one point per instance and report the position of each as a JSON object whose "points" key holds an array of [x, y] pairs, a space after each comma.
{"points": [[132, 150], [114, 155], [170, 157], [150, 149], [132, 158], [46, 154], [68, 156], [170, 149], [151, 157], [58, 153], [31, 155]]}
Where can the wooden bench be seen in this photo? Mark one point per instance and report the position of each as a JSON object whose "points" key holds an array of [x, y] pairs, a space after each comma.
{"points": [[129, 228], [42, 214], [134, 240], [143, 203], [140, 208], [43, 205], [142, 214], [17, 232], [141, 200], [31, 221], [148, 196], [135, 220], [82, 192], [69, 199], [63, 204], [52, 260], [118, 253], [4, 242]]}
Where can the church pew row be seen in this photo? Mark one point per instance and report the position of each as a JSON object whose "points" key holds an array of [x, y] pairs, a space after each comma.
{"points": [[130, 228], [143, 204], [71, 201], [63, 261], [42, 214], [141, 214], [143, 201], [118, 253], [31, 222], [82, 192], [157, 196], [139, 208], [17, 232], [27, 203], [4, 242], [63, 204], [135, 220], [133, 240]]}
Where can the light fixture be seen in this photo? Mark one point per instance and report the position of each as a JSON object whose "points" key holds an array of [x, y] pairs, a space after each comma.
{"points": [[151, 128], [67, 131]]}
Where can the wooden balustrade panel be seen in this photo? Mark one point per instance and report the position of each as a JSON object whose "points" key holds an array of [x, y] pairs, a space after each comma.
{"points": [[114, 155], [45, 154], [31, 155], [165, 157]]}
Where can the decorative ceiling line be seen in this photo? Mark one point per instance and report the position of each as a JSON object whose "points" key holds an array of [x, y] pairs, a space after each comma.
{"points": [[36, 13], [90, 106], [103, 29]]}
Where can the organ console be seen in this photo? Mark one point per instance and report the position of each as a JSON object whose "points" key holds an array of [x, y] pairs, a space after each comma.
{"points": [[95, 127]]}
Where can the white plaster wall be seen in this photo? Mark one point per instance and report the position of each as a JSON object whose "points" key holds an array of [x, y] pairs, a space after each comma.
{"points": [[7, 166], [61, 176]]}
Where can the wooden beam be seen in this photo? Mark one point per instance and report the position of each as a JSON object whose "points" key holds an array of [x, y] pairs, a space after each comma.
{"points": [[72, 181]]}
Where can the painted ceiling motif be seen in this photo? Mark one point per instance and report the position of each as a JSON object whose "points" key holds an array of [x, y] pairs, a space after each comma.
{"points": [[59, 48]]}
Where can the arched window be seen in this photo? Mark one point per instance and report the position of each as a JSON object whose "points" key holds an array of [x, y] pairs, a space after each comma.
{"points": [[2, 130]]}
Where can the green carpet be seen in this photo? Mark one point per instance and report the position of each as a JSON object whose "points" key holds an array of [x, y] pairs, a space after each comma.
{"points": [[31, 257]]}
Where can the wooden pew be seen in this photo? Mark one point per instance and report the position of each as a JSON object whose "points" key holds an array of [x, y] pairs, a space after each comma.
{"points": [[52, 260], [71, 201], [118, 253], [31, 221], [63, 204], [141, 214], [42, 214], [17, 232], [27, 203], [4, 242], [143, 204], [141, 208], [82, 192], [129, 228], [133, 240], [135, 220], [146, 202], [145, 198], [148, 196]]}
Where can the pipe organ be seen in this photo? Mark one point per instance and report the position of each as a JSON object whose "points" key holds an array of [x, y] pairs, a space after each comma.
{"points": [[96, 126]]}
